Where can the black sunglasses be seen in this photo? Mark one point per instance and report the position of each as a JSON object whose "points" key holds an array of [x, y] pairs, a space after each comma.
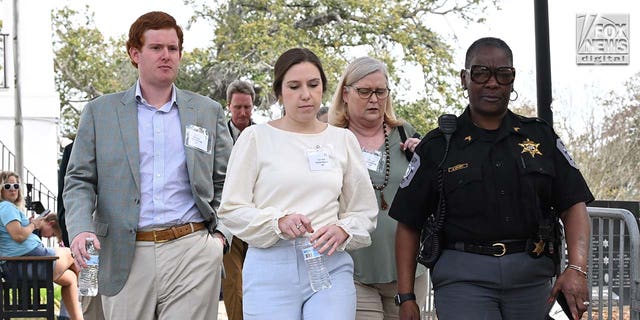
{"points": [[9, 186], [482, 74]]}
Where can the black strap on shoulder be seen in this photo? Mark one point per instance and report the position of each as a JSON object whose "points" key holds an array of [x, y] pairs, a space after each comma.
{"points": [[403, 137], [403, 134]]}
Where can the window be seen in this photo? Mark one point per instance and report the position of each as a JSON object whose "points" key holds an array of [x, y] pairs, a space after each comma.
{"points": [[3, 60]]}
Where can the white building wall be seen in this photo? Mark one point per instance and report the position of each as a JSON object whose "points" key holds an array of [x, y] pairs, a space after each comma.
{"points": [[39, 100]]}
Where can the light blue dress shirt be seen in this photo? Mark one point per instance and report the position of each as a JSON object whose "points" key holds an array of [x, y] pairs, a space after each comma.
{"points": [[166, 197]]}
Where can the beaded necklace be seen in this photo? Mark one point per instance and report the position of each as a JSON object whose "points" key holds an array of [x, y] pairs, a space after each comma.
{"points": [[387, 165]]}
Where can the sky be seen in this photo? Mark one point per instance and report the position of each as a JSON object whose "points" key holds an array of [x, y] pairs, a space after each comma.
{"points": [[575, 87]]}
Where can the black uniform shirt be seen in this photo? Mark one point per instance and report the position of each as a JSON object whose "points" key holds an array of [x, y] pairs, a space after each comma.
{"points": [[498, 184]]}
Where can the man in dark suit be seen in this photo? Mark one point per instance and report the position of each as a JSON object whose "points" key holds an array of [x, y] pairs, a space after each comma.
{"points": [[240, 97], [91, 306], [64, 162], [151, 163]]}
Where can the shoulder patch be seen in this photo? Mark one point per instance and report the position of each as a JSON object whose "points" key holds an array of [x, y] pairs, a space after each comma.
{"points": [[413, 166], [565, 153]]}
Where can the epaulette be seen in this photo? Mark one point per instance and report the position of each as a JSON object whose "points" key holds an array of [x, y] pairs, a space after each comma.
{"points": [[432, 135], [531, 120]]}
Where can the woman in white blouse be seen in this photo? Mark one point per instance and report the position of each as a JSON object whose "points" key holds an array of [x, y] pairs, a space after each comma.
{"points": [[294, 177]]}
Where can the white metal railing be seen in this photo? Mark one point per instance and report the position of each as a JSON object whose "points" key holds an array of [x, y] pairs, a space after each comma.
{"points": [[39, 192]]}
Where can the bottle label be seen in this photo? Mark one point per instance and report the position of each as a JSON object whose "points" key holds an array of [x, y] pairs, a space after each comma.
{"points": [[93, 260], [310, 253]]}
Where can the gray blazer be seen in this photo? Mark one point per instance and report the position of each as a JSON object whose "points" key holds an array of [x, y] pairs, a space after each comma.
{"points": [[104, 175]]}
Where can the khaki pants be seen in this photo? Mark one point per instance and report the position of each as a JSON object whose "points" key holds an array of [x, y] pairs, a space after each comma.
{"points": [[232, 283], [179, 279], [376, 301], [92, 308]]}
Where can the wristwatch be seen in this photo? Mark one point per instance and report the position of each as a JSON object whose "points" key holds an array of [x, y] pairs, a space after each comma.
{"points": [[402, 297]]}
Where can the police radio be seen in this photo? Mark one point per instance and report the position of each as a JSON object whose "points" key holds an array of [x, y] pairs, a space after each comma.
{"points": [[431, 236], [447, 123]]}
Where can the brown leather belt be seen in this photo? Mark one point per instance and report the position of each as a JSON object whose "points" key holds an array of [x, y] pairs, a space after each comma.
{"points": [[169, 234]]}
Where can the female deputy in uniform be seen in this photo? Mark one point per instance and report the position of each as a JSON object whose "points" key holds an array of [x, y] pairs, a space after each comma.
{"points": [[292, 177], [505, 178], [362, 103]]}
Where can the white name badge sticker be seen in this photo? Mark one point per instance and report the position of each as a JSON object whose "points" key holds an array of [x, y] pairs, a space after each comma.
{"points": [[197, 138], [372, 159], [319, 158]]}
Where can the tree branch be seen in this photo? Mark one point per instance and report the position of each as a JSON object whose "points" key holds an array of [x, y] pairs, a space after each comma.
{"points": [[70, 78], [319, 20]]}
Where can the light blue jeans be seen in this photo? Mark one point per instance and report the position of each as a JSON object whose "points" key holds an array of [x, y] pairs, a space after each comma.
{"points": [[275, 285]]}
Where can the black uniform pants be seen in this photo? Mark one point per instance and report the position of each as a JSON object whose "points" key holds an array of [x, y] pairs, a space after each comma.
{"points": [[474, 286]]}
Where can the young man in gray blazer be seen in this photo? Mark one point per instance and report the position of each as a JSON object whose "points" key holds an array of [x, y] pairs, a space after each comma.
{"points": [[151, 163]]}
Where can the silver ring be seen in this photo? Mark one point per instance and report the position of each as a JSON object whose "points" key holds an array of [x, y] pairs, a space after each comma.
{"points": [[298, 226], [586, 303]]}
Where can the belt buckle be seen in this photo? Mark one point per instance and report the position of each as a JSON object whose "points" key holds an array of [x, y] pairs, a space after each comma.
{"points": [[155, 238], [501, 245]]}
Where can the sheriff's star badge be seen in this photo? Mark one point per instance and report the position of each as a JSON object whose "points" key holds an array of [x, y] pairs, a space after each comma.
{"points": [[530, 147], [539, 247]]}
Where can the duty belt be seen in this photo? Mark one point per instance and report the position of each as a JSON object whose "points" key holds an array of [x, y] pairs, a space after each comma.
{"points": [[496, 249]]}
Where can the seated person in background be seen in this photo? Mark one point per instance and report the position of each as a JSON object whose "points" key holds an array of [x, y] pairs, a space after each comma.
{"points": [[17, 239], [51, 228]]}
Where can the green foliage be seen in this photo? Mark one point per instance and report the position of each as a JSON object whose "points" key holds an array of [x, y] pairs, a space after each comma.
{"points": [[86, 65], [419, 114], [57, 292], [250, 35], [193, 74]]}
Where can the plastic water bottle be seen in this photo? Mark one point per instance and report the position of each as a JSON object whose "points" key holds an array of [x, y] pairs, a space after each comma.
{"points": [[88, 280], [318, 273]]}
